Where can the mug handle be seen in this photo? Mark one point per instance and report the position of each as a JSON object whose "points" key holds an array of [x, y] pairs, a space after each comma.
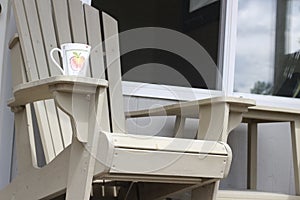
{"points": [[52, 57]]}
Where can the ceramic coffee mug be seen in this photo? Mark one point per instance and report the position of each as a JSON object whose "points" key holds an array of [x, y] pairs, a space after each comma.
{"points": [[75, 58], [89, 2]]}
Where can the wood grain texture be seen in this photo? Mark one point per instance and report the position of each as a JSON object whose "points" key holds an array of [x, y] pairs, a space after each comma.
{"points": [[77, 22], [25, 40], [61, 21], [112, 50], [37, 40], [93, 29], [48, 33], [50, 42], [97, 68]]}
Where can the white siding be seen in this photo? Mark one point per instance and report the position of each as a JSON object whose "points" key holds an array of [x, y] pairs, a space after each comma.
{"points": [[6, 118]]}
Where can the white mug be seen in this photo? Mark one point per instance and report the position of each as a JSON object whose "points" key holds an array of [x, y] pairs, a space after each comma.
{"points": [[89, 2], [75, 58]]}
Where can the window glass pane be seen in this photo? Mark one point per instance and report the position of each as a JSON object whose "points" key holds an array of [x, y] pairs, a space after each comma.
{"points": [[197, 19], [268, 43]]}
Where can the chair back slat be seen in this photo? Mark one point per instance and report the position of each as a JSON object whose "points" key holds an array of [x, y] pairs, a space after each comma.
{"points": [[36, 38], [19, 77], [94, 36], [44, 129], [18, 70], [48, 32], [111, 38], [95, 40], [61, 21], [61, 119], [35, 28], [76, 14], [43, 72], [25, 40]]}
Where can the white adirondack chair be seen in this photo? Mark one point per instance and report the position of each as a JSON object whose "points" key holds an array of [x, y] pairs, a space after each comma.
{"points": [[81, 120]]}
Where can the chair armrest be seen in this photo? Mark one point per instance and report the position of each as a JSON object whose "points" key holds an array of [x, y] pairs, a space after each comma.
{"points": [[217, 116], [43, 89], [67, 91], [191, 109]]}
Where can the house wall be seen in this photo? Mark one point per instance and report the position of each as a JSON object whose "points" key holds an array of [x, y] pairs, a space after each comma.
{"points": [[7, 29], [275, 164]]}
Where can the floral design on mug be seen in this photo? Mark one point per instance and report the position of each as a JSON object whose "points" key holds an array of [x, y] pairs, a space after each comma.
{"points": [[77, 61]]}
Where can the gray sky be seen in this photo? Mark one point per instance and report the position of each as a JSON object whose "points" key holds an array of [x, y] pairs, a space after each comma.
{"points": [[255, 43]]}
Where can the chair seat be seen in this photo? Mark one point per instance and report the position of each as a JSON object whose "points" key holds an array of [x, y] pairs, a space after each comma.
{"points": [[163, 156]]}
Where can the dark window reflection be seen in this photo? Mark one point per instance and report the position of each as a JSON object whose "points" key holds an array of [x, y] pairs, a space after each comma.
{"points": [[200, 22]]}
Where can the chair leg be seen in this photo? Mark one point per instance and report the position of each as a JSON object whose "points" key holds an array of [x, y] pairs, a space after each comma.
{"points": [[80, 175], [46, 182], [82, 160], [206, 192], [23, 146]]}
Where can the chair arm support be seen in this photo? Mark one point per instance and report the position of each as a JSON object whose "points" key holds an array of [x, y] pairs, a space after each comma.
{"points": [[43, 89]]}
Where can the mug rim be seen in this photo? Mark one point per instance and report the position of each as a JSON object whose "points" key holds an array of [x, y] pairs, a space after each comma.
{"points": [[75, 44]]}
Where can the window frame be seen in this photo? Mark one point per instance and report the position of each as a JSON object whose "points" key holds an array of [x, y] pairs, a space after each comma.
{"points": [[131, 88], [261, 100], [227, 51]]}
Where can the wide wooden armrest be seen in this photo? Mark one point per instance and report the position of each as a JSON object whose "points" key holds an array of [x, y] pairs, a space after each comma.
{"points": [[43, 89], [191, 109]]}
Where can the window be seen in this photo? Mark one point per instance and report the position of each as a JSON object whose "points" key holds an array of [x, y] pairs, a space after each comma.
{"points": [[197, 19], [268, 44]]}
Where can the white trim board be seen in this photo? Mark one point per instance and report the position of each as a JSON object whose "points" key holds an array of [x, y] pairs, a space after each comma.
{"points": [[274, 101], [169, 92], [229, 51], [166, 91]]}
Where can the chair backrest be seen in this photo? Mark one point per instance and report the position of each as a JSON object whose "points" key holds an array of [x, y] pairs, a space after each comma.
{"points": [[46, 24]]}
